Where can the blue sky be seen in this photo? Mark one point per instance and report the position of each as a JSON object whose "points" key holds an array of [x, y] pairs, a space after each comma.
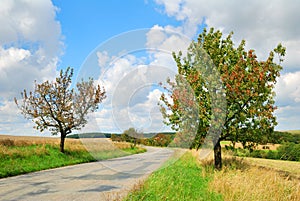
{"points": [[126, 46], [87, 24]]}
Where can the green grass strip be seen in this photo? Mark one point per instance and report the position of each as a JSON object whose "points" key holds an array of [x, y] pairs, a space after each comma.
{"points": [[40, 157], [181, 180]]}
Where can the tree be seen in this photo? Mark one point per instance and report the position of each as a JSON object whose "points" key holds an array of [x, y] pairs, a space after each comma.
{"points": [[219, 73], [132, 135], [58, 107]]}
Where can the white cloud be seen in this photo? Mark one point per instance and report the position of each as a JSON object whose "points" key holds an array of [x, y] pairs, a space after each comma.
{"points": [[103, 58], [12, 56], [268, 21], [288, 89], [131, 82], [31, 21], [167, 39], [164, 41], [287, 99], [30, 46], [146, 115], [12, 122], [288, 117]]}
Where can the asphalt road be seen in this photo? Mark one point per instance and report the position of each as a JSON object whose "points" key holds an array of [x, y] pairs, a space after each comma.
{"points": [[103, 180]]}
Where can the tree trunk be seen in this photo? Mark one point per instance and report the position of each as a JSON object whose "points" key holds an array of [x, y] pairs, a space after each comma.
{"points": [[218, 155], [62, 142]]}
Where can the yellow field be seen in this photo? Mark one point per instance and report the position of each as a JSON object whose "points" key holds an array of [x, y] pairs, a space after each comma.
{"points": [[294, 131], [97, 144], [289, 167], [259, 147]]}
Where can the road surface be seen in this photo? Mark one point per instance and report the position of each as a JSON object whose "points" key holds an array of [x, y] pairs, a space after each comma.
{"points": [[102, 180]]}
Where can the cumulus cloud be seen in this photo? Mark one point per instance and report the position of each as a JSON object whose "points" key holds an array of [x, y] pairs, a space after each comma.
{"points": [[30, 21], [131, 79], [132, 94], [149, 111], [12, 123], [256, 21], [103, 58], [288, 88], [30, 46], [288, 99], [164, 41]]}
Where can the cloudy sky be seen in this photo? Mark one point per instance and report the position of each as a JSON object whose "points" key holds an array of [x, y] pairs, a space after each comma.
{"points": [[126, 46]]}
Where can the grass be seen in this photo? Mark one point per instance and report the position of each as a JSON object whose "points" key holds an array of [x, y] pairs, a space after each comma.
{"points": [[178, 180], [297, 132], [19, 155], [290, 167], [241, 180], [255, 184]]}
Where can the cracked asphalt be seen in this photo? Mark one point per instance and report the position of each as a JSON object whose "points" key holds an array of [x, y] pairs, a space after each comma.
{"points": [[102, 180]]}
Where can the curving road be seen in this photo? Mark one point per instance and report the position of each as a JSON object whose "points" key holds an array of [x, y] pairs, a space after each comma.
{"points": [[103, 180]]}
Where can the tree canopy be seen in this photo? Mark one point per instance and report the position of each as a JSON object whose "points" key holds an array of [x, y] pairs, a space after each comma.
{"points": [[58, 107], [232, 92]]}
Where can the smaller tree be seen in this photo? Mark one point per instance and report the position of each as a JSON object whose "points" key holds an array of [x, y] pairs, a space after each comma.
{"points": [[58, 107], [132, 135]]}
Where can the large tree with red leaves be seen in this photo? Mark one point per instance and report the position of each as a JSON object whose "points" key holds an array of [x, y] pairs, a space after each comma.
{"points": [[232, 92]]}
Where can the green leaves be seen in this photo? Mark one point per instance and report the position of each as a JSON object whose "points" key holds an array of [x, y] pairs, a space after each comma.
{"points": [[244, 81]]}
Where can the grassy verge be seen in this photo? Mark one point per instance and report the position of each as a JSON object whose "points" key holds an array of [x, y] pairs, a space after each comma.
{"points": [[181, 180], [32, 158], [23, 156], [241, 180]]}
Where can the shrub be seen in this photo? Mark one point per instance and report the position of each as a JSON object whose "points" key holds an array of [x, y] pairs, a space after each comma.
{"points": [[289, 151]]}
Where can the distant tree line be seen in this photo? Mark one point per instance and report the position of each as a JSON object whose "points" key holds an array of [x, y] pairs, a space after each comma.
{"points": [[90, 135], [280, 137], [287, 151], [149, 139]]}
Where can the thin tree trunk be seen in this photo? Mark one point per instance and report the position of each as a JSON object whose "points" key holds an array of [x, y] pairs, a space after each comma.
{"points": [[218, 155], [62, 142]]}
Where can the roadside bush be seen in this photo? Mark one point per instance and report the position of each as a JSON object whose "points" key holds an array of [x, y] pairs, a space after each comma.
{"points": [[257, 154], [289, 151], [272, 155], [160, 139]]}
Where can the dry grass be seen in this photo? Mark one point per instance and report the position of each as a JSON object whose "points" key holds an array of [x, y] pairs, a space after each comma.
{"points": [[294, 131], [255, 184], [8, 140], [290, 167], [91, 145], [244, 179], [19, 155]]}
